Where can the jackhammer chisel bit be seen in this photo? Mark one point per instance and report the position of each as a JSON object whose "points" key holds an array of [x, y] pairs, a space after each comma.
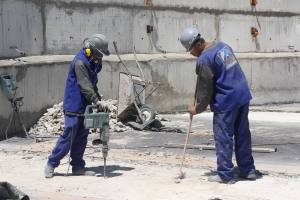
{"points": [[104, 153], [104, 168], [99, 120]]}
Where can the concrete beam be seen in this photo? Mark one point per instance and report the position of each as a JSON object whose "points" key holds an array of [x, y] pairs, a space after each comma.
{"points": [[220, 6]]}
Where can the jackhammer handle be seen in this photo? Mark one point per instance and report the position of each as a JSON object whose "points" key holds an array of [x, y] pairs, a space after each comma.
{"points": [[88, 108]]}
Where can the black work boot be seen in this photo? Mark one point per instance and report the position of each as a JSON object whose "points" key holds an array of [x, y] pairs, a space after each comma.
{"points": [[250, 176]]}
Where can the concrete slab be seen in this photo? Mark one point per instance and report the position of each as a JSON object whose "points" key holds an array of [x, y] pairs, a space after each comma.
{"points": [[134, 173]]}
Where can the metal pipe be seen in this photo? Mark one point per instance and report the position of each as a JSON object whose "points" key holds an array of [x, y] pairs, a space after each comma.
{"points": [[212, 147]]}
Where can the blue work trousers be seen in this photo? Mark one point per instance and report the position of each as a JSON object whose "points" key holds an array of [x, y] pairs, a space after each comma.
{"points": [[232, 128], [73, 139]]}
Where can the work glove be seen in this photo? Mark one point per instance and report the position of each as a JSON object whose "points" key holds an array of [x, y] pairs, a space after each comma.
{"points": [[102, 106]]}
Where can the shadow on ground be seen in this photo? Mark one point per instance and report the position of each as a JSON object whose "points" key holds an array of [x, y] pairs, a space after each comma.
{"points": [[111, 171]]}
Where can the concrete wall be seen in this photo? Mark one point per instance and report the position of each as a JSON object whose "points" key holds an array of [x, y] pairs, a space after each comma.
{"points": [[273, 78], [59, 26], [21, 27], [41, 85]]}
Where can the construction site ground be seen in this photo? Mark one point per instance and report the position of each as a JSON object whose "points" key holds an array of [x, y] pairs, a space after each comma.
{"points": [[141, 167]]}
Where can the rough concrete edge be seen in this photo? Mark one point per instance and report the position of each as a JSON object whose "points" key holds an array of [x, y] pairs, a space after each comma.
{"points": [[50, 59], [268, 55], [167, 6]]}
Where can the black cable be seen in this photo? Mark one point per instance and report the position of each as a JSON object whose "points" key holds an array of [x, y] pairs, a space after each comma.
{"points": [[163, 146], [256, 16], [257, 19]]}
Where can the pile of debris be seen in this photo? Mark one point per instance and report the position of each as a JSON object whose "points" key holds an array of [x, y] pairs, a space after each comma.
{"points": [[52, 122]]}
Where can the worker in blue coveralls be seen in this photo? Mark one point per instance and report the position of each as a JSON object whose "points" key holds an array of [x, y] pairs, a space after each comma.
{"points": [[81, 90], [222, 84]]}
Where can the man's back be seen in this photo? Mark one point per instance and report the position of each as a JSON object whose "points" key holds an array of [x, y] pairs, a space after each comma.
{"points": [[230, 85]]}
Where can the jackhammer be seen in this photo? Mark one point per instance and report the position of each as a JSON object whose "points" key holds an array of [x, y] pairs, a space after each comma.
{"points": [[9, 87], [99, 121]]}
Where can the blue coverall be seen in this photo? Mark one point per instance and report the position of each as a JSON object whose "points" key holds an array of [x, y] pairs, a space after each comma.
{"points": [[75, 135], [229, 98]]}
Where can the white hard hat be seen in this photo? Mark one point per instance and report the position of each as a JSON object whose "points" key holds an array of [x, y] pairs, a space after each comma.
{"points": [[189, 36]]}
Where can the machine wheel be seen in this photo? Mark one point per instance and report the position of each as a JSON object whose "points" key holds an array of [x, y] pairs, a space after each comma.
{"points": [[147, 113]]}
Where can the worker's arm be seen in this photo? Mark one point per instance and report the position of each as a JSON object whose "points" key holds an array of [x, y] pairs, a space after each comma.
{"points": [[204, 87], [97, 92], [84, 82]]}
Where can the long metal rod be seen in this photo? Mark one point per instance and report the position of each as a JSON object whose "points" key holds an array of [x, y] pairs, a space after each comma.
{"points": [[122, 62], [9, 124], [212, 147], [22, 123], [142, 74], [138, 64], [185, 144]]}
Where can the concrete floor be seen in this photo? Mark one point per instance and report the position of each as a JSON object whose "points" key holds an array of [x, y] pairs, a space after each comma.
{"points": [[139, 168]]}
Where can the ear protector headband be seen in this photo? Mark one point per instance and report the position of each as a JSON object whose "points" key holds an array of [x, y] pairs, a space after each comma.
{"points": [[87, 48]]}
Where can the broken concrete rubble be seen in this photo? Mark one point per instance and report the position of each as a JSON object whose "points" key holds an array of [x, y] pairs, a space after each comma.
{"points": [[52, 122]]}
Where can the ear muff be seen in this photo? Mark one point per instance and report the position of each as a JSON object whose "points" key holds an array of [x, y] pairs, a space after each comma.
{"points": [[88, 52], [87, 47]]}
